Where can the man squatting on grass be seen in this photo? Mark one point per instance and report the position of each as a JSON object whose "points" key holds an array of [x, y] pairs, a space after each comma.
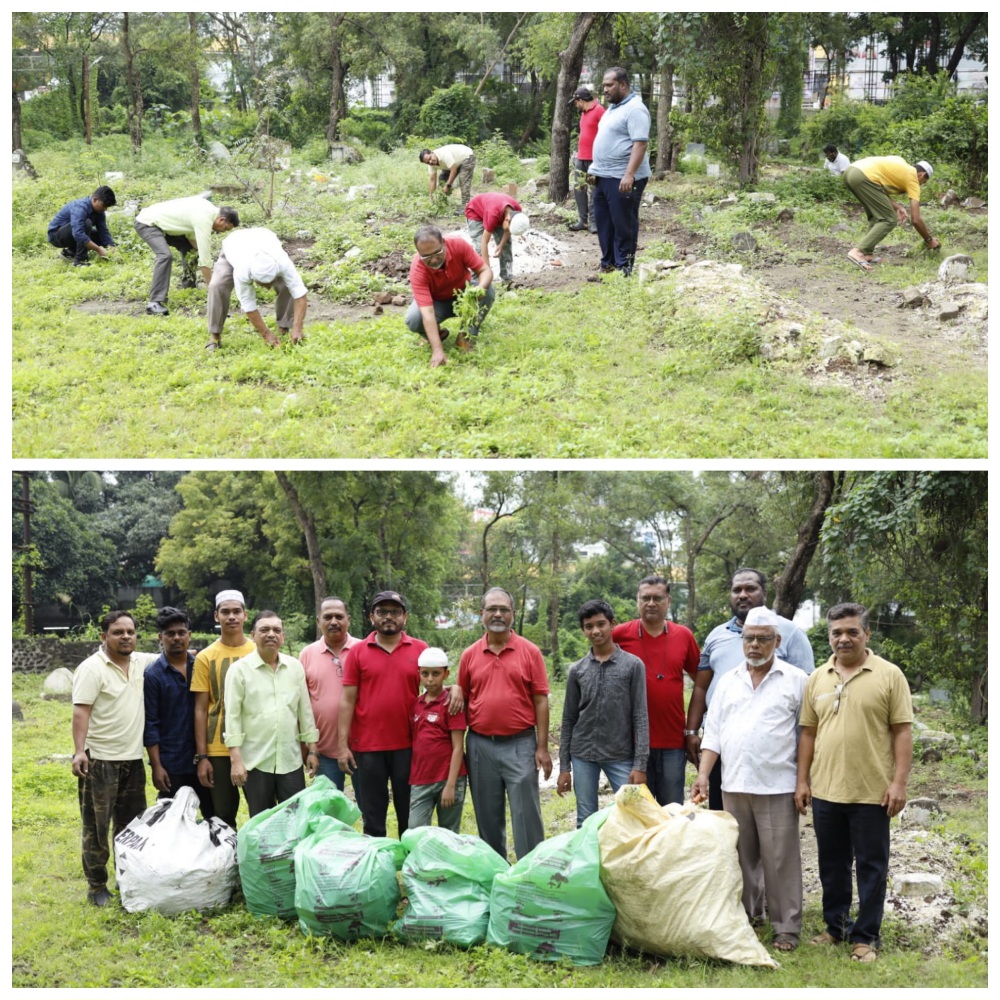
{"points": [[80, 227]]}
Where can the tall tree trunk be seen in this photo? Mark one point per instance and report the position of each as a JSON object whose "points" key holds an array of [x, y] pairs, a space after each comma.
{"points": [[194, 78], [750, 107], [788, 586], [337, 73], [961, 42], [134, 88], [570, 66], [664, 130], [15, 122], [308, 525], [554, 604]]}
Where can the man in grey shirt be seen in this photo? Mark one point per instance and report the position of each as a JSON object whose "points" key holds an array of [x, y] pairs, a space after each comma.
{"points": [[604, 724], [620, 169], [723, 651]]}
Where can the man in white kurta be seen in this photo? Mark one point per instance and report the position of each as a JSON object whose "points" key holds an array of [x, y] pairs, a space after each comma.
{"points": [[753, 726]]}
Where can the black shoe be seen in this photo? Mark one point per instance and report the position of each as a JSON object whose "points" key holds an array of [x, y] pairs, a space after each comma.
{"points": [[593, 229], [67, 254], [157, 309], [81, 263], [577, 227], [100, 898]]}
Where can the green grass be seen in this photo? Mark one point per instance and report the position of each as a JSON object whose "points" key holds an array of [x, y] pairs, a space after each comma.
{"points": [[596, 371], [61, 941]]}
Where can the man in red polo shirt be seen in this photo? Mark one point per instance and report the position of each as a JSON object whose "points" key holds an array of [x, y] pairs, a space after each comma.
{"points": [[381, 682], [441, 267], [591, 111], [506, 689], [668, 650], [497, 215]]}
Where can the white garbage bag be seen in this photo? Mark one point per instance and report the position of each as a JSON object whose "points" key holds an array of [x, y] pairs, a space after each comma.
{"points": [[165, 860]]}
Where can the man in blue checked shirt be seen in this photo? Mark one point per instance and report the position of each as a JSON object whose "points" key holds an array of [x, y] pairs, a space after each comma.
{"points": [[168, 734], [79, 227]]}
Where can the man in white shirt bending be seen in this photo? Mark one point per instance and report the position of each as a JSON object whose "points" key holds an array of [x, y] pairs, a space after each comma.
{"points": [[836, 161]]}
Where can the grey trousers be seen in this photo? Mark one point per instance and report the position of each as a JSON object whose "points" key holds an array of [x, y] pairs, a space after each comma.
{"points": [[583, 193], [506, 255], [425, 798], [220, 291], [160, 243], [499, 768], [770, 858]]}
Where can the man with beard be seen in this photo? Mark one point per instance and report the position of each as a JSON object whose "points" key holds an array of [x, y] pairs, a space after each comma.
{"points": [[381, 682], [668, 651], [107, 744], [268, 718], [723, 651], [323, 662], [753, 729], [507, 706], [169, 731]]}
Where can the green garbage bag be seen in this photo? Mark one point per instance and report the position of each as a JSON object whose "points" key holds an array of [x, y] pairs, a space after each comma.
{"points": [[551, 903], [345, 882], [265, 845], [447, 878]]}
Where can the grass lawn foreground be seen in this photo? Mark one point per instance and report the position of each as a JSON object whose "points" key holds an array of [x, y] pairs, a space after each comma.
{"points": [[575, 369]]}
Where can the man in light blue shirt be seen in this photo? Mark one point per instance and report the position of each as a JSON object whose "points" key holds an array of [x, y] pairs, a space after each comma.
{"points": [[620, 170], [723, 651]]}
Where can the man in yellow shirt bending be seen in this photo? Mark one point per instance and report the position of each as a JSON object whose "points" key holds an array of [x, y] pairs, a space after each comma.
{"points": [[872, 181]]}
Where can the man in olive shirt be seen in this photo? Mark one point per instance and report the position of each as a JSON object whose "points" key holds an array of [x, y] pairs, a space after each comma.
{"points": [[855, 752], [454, 160], [107, 743], [268, 717]]}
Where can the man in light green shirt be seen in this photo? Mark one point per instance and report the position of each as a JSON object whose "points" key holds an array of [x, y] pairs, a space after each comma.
{"points": [[453, 160], [268, 718], [186, 224]]}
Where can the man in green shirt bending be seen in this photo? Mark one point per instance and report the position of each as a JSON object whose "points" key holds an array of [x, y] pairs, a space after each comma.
{"points": [[268, 718]]}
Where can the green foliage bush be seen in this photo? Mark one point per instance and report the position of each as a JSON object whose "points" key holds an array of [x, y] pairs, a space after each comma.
{"points": [[370, 126], [815, 185], [50, 114], [453, 111], [854, 127]]}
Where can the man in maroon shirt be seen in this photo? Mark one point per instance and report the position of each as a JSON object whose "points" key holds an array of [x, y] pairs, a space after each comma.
{"points": [[497, 215], [381, 682], [591, 111], [441, 267], [668, 650]]}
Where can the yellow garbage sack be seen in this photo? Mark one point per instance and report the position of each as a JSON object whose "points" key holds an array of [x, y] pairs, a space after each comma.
{"points": [[674, 878]]}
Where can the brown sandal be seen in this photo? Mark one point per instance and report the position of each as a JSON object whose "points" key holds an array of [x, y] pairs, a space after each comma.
{"points": [[825, 938], [863, 953], [785, 942]]}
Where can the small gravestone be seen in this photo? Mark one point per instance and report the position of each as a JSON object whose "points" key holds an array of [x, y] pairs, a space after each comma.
{"points": [[831, 346], [913, 298], [950, 198], [341, 152], [58, 685], [489, 176], [530, 187], [21, 164], [956, 268], [728, 201], [939, 696], [217, 151], [949, 310], [744, 242], [764, 196], [712, 169], [973, 203], [922, 813], [18, 714], [919, 884]]}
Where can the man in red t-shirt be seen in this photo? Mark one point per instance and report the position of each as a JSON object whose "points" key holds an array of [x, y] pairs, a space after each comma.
{"points": [[497, 215], [441, 267], [506, 689], [381, 681], [669, 651], [591, 111]]}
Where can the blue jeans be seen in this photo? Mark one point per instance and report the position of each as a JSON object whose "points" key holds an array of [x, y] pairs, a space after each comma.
{"points": [[616, 216], [445, 309], [329, 768], [665, 775], [587, 776], [855, 833]]}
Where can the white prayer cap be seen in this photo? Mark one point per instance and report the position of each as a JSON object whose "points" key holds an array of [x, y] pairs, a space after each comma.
{"points": [[519, 224], [925, 167], [762, 617], [432, 656], [229, 595]]}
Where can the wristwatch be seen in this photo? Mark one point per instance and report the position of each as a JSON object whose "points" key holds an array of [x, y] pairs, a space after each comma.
{"points": [[199, 757], [690, 732]]}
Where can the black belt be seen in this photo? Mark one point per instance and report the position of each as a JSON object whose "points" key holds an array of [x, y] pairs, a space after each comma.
{"points": [[503, 739]]}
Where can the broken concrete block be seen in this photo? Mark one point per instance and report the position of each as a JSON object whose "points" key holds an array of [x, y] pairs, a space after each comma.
{"points": [[765, 196], [383, 298], [399, 300], [651, 199], [973, 203], [489, 176], [913, 298], [729, 201], [831, 347], [919, 884], [950, 198], [879, 354], [949, 310]]}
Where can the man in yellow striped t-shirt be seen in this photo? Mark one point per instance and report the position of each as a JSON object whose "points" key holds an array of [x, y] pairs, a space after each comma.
{"points": [[872, 181]]}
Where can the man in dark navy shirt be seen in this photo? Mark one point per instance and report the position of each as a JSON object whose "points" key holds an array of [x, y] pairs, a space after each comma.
{"points": [[80, 226], [169, 731]]}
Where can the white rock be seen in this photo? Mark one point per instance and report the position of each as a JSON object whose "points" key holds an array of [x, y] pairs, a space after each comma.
{"points": [[353, 252], [918, 884], [114, 175], [830, 347], [765, 196], [58, 684], [957, 267]]}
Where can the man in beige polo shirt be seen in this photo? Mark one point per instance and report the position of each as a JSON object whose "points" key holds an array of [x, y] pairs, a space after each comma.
{"points": [[108, 718], [855, 749]]}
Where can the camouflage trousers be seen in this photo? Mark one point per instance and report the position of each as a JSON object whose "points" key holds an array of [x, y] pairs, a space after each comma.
{"points": [[463, 178], [112, 793]]}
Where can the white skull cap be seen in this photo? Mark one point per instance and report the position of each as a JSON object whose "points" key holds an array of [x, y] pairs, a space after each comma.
{"points": [[229, 595], [432, 656], [762, 616]]}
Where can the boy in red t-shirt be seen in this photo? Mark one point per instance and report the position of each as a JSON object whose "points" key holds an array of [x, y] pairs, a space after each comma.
{"points": [[437, 767]]}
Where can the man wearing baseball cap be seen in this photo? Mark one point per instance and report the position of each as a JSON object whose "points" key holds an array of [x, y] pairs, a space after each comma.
{"points": [[500, 216], [248, 256], [591, 111], [208, 686], [872, 181], [381, 682]]}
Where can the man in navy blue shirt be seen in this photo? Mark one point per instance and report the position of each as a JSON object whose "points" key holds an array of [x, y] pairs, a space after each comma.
{"points": [[80, 226], [169, 731]]}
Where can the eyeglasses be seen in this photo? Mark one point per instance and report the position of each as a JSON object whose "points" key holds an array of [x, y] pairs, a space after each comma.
{"points": [[763, 640], [389, 612], [651, 599], [431, 256]]}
